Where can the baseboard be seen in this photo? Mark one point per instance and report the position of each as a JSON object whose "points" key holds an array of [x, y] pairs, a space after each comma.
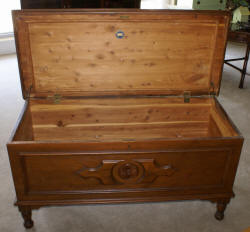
{"points": [[7, 45]]}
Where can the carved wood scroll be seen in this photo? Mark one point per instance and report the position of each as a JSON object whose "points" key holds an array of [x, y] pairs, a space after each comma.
{"points": [[110, 172]]}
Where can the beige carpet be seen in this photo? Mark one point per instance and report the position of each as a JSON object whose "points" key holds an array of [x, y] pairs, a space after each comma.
{"points": [[189, 216]]}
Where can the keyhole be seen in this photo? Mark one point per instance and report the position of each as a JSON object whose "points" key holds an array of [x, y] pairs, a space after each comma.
{"points": [[128, 171]]}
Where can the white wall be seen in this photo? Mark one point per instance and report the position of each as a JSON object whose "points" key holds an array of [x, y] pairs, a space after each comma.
{"points": [[7, 44], [156, 4], [185, 4], [5, 14], [166, 4]]}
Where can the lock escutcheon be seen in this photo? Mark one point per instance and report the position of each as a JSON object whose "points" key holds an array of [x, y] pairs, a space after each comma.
{"points": [[128, 172]]}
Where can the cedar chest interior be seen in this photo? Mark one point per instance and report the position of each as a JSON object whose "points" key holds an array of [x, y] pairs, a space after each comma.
{"points": [[123, 119], [103, 65]]}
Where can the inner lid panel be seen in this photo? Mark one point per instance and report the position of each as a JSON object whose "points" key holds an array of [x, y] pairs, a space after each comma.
{"points": [[158, 54]]}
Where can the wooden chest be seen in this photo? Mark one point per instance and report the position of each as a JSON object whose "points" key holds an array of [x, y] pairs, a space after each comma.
{"points": [[121, 107]]}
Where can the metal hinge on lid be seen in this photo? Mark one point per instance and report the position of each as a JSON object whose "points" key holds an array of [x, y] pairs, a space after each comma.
{"points": [[187, 96], [29, 91], [56, 98], [212, 93]]}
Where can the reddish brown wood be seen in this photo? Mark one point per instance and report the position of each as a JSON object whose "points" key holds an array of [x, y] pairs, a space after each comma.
{"points": [[221, 206], [26, 214], [24, 130], [87, 149]]}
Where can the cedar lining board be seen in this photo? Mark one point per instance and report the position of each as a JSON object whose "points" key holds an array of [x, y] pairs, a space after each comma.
{"points": [[202, 15], [220, 121]]}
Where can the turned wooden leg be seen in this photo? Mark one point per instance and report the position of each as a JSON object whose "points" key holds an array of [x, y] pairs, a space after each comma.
{"points": [[26, 213], [221, 206]]}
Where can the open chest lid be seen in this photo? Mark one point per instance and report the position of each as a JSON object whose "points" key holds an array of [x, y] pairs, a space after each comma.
{"points": [[120, 52]]}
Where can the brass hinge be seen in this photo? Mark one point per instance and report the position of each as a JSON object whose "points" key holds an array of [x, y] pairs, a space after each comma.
{"points": [[56, 98], [29, 91], [187, 96], [124, 16], [212, 93]]}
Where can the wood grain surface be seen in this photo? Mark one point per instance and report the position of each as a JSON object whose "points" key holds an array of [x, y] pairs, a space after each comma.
{"points": [[122, 131], [164, 53], [124, 119]]}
